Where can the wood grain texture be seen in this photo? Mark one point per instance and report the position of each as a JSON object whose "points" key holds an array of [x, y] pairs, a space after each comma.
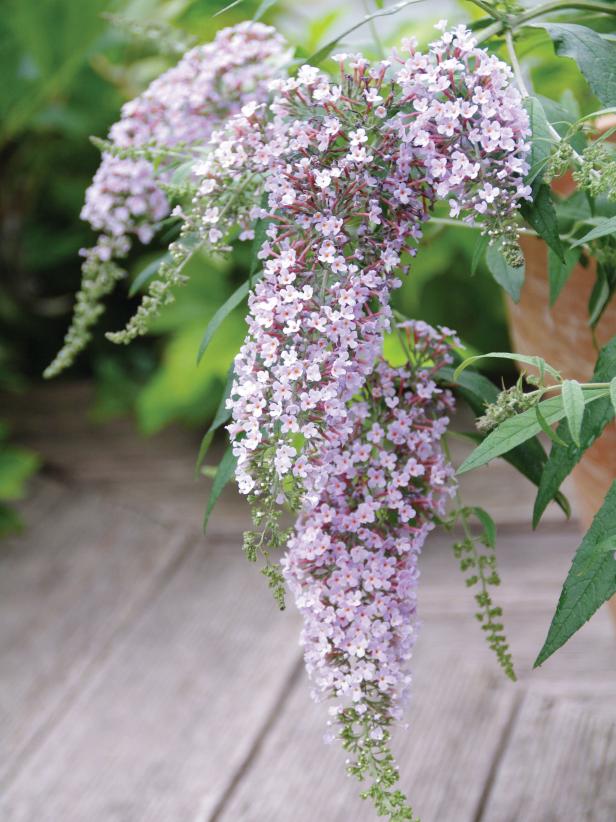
{"points": [[67, 586], [560, 763], [163, 726]]}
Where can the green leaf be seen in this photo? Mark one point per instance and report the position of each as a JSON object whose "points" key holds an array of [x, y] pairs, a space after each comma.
{"points": [[489, 526], [221, 315], [510, 278], [478, 252], [228, 7], [613, 393], [16, 466], [327, 49], [546, 428], [541, 215], [529, 457], [537, 362], [603, 229], [259, 238], [601, 293], [541, 140], [223, 414], [520, 428], [225, 472], [263, 8], [561, 461], [559, 271], [573, 401], [595, 56], [591, 580], [146, 274]]}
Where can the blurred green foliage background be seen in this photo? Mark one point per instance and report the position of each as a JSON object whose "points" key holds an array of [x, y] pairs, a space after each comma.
{"points": [[67, 67]]}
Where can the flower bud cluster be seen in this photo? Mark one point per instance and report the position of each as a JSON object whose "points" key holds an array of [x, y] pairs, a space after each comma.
{"points": [[127, 198]]}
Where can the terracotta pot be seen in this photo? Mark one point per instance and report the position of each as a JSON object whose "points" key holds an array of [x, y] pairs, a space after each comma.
{"points": [[562, 337]]}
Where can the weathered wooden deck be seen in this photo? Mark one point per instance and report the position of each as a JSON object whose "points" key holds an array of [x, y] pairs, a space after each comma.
{"points": [[148, 677]]}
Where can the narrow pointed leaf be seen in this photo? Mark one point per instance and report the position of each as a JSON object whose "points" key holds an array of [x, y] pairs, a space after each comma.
{"points": [[541, 215], [220, 418], [489, 526], [595, 56], [562, 461], [613, 393], [264, 6], [559, 271], [507, 276], [146, 274], [606, 227], [225, 472], [537, 362], [518, 429], [478, 253], [573, 401], [591, 580], [529, 457], [541, 139], [547, 430], [223, 312]]}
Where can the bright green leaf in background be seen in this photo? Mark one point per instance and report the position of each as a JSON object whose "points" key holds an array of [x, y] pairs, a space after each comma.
{"points": [[591, 580]]}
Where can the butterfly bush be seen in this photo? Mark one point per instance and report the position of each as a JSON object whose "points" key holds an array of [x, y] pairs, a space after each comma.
{"points": [[351, 563], [179, 110], [351, 170], [334, 177]]}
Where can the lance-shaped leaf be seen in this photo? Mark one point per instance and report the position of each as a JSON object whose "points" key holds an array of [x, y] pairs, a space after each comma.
{"points": [[541, 215], [220, 418], [595, 56], [225, 472], [541, 139], [527, 458], [518, 429], [509, 277], [605, 227], [591, 580], [537, 362], [221, 315], [559, 271], [573, 401], [596, 416]]}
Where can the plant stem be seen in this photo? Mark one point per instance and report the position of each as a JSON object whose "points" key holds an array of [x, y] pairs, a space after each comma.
{"points": [[513, 23], [375, 33]]}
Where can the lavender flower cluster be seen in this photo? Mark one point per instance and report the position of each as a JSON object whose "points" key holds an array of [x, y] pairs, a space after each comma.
{"points": [[351, 170], [182, 107], [352, 561], [342, 173]]}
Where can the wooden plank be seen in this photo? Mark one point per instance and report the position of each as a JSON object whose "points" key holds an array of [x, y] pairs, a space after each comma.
{"points": [[458, 715], [175, 711], [560, 763], [461, 703], [79, 572]]}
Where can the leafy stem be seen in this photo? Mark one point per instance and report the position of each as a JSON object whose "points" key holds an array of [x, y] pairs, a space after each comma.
{"points": [[511, 23]]}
